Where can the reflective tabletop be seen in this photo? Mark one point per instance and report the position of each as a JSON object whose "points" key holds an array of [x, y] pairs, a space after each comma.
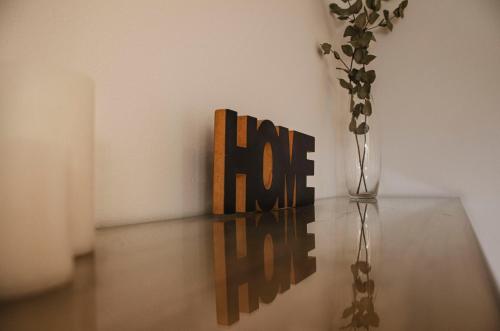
{"points": [[399, 264]]}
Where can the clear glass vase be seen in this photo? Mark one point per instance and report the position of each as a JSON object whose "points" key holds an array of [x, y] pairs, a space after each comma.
{"points": [[362, 158]]}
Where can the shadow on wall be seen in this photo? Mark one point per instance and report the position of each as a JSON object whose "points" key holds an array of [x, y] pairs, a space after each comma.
{"points": [[340, 109], [209, 169], [197, 174]]}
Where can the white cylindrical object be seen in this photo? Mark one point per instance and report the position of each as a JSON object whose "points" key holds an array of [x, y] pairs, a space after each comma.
{"points": [[55, 106], [35, 250]]}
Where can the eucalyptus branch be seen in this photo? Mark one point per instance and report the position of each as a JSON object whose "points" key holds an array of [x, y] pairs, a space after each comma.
{"points": [[359, 38]]}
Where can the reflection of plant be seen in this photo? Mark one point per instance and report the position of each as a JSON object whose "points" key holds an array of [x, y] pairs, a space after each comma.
{"points": [[362, 310], [364, 17]]}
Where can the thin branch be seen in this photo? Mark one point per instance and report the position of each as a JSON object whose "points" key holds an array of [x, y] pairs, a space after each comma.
{"points": [[378, 24], [346, 66], [353, 16], [363, 166]]}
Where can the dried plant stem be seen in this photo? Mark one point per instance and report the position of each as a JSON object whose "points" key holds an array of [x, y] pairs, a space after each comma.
{"points": [[361, 161], [362, 177]]}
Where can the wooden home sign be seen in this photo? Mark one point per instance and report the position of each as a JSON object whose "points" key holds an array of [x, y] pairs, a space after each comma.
{"points": [[258, 166]]}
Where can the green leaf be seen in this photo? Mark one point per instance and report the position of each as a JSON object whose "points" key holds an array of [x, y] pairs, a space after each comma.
{"points": [[354, 9], [373, 17], [354, 267], [336, 54], [365, 76], [366, 304], [353, 75], [373, 319], [360, 21], [360, 286], [363, 128], [397, 12], [359, 54], [351, 31], [326, 48], [362, 40], [371, 76], [369, 35], [360, 75], [400, 10], [352, 128], [358, 110], [367, 109], [345, 84], [388, 20], [370, 286], [374, 5], [348, 312], [357, 320], [363, 266], [390, 26], [364, 91], [347, 49], [368, 59]]}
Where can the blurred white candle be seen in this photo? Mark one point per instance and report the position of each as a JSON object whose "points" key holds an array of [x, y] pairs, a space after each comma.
{"points": [[55, 106], [35, 251]]}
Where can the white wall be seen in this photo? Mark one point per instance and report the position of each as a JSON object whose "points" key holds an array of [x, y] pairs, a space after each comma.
{"points": [[438, 94], [161, 68]]}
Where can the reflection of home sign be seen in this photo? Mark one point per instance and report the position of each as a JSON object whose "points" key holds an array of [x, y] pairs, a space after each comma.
{"points": [[258, 166], [258, 256]]}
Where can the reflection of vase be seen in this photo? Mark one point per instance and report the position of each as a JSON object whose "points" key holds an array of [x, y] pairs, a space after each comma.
{"points": [[366, 216], [55, 107], [362, 158], [361, 312]]}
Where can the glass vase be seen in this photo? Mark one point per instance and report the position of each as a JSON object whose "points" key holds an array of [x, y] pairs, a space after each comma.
{"points": [[362, 156]]}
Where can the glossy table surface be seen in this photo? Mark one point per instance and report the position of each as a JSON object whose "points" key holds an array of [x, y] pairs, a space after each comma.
{"points": [[402, 264]]}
